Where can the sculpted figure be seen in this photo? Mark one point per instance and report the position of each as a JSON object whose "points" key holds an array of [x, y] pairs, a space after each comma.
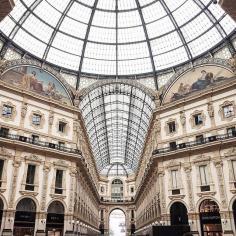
{"points": [[24, 110], [182, 118]]}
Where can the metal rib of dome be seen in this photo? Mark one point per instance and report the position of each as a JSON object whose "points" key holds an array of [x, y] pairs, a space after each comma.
{"points": [[117, 117], [117, 37]]}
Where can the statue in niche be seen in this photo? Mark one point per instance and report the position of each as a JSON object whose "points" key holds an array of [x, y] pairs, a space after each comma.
{"points": [[24, 110], [210, 109], [182, 118], [51, 118]]}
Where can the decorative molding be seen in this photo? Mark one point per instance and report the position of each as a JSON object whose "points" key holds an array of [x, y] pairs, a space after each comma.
{"points": [[33, 158], [66, 127], [13, 114], [4, 152], [221, 111], [231, 152], [166, 127], [61, 163], [177, 197], [192, 121], [42, 120]]}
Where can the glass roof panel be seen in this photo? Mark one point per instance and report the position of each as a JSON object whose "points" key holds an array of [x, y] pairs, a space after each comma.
{"points": [[117, 135], [59, 5], [96, 26]]}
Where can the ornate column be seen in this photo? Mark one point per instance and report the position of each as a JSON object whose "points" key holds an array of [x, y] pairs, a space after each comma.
{"points": [[161, 175], [225, 213], [192, 215], [10, 213], [43, 211]]}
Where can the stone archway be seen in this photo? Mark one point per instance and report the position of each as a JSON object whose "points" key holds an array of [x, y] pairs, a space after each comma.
{"points": [[178, 214], [117, 223], [55, 219], [210, 219], [25, 216]]}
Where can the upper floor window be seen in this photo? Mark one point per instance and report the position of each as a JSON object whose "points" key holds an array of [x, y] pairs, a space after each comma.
{"points": [[132, 189], [231, 131], [175, 179], [62, 127], [36, 119], [58, 182], [198, 119], [4, 132], [172, 127], [228, 111], [30, 177], [204, 175], [7, 111]]}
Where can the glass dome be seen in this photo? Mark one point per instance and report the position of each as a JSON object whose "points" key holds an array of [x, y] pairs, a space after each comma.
{"points": [[117, 37]]}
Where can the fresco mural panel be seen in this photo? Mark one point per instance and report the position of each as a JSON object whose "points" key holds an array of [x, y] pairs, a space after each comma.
{"points": [[195, 80], [37, 80]]}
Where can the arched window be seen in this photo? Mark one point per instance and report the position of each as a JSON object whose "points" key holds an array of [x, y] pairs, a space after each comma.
{"points": [[210, 218], [55, 218], [25, 217], [178, 214], [117, 189]]}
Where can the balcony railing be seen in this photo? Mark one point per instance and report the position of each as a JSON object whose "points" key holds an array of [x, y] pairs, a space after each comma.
{"points": [[38, 143], [117, 200], [194, 143]]}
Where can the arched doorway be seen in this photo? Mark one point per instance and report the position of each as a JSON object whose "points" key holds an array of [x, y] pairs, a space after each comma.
{"points": [[25, 215], [117, 189], [55, 219], [117, 226], [178, 214], [210, 218], [1, 211], [234, 212]]}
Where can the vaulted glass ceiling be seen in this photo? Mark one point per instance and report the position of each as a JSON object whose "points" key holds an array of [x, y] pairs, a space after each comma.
{"points": [[117, 117], [117, 37]]}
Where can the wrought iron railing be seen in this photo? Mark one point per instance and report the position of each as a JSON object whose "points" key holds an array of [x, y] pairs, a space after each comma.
{"points": [[194, 143], [38, 143]]}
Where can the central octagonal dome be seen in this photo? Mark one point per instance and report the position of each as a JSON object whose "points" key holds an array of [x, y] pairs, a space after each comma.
{"points": [[117, 37]]}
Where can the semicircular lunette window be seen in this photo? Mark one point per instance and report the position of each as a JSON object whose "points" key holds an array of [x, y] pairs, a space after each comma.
{"points": [[117, 117]]}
